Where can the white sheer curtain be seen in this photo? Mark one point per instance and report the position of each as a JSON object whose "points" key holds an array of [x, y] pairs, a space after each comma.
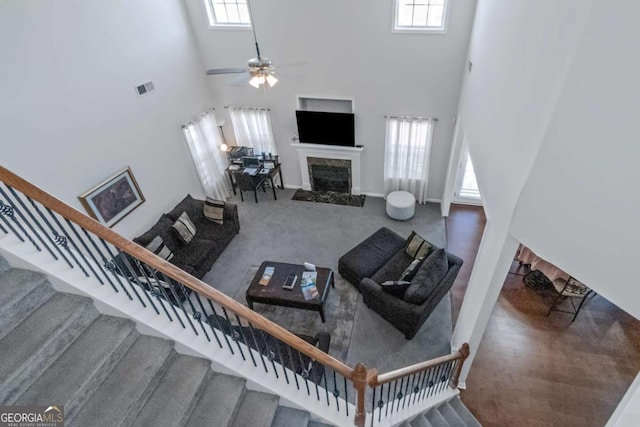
{"points": [[252, 127], [203, 139], [407, 154]]}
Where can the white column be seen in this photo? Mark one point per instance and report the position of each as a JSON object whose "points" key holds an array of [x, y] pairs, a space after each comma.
{"points": [[492, 264]]}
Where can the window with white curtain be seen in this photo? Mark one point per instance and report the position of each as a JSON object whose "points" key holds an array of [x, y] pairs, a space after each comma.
{"points": [[252, 127], [407, 154], [204, 140]]}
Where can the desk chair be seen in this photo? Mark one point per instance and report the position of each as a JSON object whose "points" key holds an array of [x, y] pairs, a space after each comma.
{"points": [[246, 182], [572, 289]]}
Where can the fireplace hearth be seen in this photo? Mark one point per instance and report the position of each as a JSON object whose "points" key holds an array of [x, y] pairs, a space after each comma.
{"points": [[330, 174]]}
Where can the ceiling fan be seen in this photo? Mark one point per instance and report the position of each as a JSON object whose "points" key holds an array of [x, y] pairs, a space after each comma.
{"points": [[260, 69]]}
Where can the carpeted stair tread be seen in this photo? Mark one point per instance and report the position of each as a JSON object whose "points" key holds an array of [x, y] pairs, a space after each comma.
{"points": [[138, 370], [317, 424], [50, 329], [450, 415], [420, 421], [75, 375], [176, 394], [218, 402], [436, 419], [290, 417], [463, 412], [21, 291], [256, 410]]}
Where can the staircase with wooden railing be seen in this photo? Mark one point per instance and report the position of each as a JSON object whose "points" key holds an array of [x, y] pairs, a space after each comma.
{"points": [[77, 250]]}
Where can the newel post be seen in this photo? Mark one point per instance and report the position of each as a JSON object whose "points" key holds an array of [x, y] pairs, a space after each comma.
{"points": [[464, 352], [359, 379]]}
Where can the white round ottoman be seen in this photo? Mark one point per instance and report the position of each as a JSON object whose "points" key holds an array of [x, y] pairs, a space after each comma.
{"points": [[401, 205]]}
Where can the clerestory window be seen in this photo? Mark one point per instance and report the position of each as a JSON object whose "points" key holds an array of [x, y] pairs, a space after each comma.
{"points": [[420, 16], [228, 13]]}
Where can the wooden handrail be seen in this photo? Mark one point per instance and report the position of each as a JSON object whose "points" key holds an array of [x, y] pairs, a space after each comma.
{"points": [[419, 367], [170, 270]]}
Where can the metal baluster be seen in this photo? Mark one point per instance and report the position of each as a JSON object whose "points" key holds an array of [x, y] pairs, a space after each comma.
{"points": [[3, 229], [399, 395], [235, 335], [7, 210], [445, 383], [435, 381], [315, 380], [373, 407], [53, 231], [279, 352], [244, 339], [217, 319], [104, 268], [386, 409], [326, 387], [63, 239], [135, 278], [86, 248], [427, 381], [10, 211], [306, 382], [346, 396], [195, 313], [253, 335], [34, 220], [154, 291], [408, 391], [418, 387], [166, 295], [295, 377], [336, 393], [271, 355], [206, 319], [117, 268]]}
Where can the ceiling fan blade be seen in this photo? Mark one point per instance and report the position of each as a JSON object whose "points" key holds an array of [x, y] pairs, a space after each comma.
{"points": [[216, 71], [242, 80]]}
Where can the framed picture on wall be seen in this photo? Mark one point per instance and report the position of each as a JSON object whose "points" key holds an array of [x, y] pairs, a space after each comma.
{"points": [[113, 199]]}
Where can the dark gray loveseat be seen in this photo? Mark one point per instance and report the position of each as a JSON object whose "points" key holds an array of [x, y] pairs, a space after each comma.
{"points": [[380, 258], [197, 256]]}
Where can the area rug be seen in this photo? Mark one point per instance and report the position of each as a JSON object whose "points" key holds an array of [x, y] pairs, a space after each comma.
{"points": [[330, 197], [339, 312]]}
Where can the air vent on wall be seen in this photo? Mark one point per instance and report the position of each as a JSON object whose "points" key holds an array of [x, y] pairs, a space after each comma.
{"points": [[144, 88]]}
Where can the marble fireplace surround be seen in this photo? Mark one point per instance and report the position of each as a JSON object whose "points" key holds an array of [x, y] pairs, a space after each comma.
{"points": [[329, 152]]}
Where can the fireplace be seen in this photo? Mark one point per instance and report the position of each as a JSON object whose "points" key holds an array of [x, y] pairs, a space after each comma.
{"points": [[330, 174], [330, 164]]}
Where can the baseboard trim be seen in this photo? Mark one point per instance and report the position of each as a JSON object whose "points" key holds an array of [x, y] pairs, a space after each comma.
{"points": [[373, 194], [462, 385]]}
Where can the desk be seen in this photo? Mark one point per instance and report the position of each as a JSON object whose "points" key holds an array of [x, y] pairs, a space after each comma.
{"points": [[273, 172]]}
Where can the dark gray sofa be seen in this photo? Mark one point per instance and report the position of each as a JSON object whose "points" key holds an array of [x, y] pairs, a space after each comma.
{"points": [[197, 256], [380, 258]]}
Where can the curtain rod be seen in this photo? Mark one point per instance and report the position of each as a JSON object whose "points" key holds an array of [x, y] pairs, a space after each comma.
{"points": [[435, 119], [251, 108], [190, 122]]}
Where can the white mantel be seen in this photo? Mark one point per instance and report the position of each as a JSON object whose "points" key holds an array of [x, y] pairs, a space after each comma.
{"points": [[330, 152]]}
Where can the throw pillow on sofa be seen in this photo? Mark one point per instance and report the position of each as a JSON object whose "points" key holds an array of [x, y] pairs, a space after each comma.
{"points": [[417, 247], [213, 210], [184, 228], [158, 247], [397, 288], [428, 277], [411, 270]]}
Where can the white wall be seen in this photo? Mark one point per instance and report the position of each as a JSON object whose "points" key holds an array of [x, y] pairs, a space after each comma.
{"points": [[348, 51], [580, 205], [69, 116]]}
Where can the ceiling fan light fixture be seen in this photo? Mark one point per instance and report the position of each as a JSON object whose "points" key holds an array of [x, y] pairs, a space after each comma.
{"points": [[271, 79], [255, 82]]}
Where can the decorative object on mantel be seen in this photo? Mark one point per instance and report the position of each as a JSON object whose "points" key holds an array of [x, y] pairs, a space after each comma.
{"points": [[330, 197], [113, 199]]}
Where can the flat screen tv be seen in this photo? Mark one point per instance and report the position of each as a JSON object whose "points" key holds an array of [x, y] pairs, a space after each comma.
{"points": [[318, 127]]}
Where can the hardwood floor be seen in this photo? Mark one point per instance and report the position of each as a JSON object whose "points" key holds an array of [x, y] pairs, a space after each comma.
{"points": [[534, 370]]}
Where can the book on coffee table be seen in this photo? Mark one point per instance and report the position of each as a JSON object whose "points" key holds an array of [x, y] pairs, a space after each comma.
{"points": [[266, 276], [308, 285]]}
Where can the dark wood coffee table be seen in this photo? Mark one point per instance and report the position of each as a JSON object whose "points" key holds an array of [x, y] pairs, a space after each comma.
{"points": [[274, 294]]}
